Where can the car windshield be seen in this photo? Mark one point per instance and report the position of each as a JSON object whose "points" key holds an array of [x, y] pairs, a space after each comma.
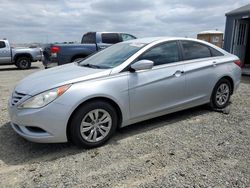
{"points": [[112, 56]]}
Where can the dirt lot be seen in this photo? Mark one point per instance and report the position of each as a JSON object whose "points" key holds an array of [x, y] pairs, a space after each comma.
{"points": [[192, 148]]}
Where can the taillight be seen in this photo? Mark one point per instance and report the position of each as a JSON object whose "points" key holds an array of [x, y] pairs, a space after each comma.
{"points": [[237, 62], [54, 49]]}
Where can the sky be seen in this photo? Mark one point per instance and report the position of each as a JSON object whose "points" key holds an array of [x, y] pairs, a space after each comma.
{"points": [[27, 21]]}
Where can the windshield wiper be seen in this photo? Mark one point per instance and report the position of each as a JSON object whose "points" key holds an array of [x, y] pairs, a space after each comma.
{"points": [[91, 66]]}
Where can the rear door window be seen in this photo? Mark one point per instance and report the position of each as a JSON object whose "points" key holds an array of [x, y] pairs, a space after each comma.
{"points": [[110, 38], [194, 50], [2, 44]]}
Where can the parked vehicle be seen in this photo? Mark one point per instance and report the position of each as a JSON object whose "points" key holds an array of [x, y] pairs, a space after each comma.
{"points": [[59, 54], [126, 83], [21, 57]]}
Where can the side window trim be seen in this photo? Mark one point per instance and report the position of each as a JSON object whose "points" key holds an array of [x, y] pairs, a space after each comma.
{"points": [[180, 49]]}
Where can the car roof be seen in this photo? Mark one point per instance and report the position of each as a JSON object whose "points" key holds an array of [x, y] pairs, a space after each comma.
{"points": [[159, 39], [156, 40]]}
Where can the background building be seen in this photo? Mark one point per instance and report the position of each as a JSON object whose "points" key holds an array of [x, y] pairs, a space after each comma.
{"points": [[213, 36], [237, 33]]}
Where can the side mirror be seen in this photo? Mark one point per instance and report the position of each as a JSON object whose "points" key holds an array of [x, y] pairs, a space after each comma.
{"points": [[142, 65]]}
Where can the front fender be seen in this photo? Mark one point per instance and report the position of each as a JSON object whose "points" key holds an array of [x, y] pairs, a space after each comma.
{"points": [[112, 88]]}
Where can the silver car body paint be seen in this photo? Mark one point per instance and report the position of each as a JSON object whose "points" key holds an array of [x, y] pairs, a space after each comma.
{"points": [[140, 95]]}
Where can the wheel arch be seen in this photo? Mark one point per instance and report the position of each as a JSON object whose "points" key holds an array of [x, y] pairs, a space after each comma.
{"points": [[229, 78], [106, 99], [22, 55]]}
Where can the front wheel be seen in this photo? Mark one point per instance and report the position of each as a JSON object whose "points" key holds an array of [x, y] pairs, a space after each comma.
{"points": [[23, 63], [93, 124], [221, 94]]}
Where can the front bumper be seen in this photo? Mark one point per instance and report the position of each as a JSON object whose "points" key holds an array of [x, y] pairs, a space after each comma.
{"points": [[44, 125]]}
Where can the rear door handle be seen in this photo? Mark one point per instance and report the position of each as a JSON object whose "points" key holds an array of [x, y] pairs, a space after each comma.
{"points": [[178, 73]]}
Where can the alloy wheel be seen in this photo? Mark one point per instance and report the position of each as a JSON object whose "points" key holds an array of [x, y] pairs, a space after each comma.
{"points": [[222, 94], [96, 125]]}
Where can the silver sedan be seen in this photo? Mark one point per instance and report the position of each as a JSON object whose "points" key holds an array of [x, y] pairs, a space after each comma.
{"points": [[86, 101]]}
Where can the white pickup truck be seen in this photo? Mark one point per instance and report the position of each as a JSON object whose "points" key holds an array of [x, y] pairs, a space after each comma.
{"points": [[21, 57]]}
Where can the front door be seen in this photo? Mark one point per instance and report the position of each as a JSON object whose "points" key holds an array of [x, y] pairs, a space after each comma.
{"points": [[160, 88], [240, 39], [5, 55]]}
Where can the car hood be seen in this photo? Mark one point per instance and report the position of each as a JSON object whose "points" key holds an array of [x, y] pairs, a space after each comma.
{"points": [[57, 76]]}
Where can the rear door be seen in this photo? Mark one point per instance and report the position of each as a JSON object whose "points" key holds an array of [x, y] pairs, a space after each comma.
{"points": [[160, 88], [5, 54], [200, 68]]}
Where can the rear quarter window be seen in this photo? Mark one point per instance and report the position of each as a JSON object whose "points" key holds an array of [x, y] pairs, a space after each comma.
{"points": [[215, 52]]}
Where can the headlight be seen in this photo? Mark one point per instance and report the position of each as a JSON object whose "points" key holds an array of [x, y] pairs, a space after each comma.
{"points": [[44, 98]]}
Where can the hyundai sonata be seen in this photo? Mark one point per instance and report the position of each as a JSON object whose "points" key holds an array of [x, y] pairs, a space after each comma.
{"points": [[85, 102]]}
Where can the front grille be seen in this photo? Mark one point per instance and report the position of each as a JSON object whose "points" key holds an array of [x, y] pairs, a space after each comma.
{"points": [[16, 97]]}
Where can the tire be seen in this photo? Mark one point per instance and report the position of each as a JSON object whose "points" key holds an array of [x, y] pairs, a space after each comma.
{"points": [[84, 120], [221, 94], [23, 63]]}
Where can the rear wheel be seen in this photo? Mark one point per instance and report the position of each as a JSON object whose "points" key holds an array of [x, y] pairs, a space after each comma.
{"points": [[221, 94], [23, 63], [93, 124]]}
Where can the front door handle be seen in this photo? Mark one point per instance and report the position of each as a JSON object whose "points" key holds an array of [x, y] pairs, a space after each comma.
{"points": [[178, 73]]}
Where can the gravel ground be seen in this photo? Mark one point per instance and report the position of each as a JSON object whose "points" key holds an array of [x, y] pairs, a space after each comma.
{"points": [[192, 148]]}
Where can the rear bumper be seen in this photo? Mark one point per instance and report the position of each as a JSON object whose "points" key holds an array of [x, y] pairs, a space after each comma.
{"points": [[49, 61], [236, 86]]}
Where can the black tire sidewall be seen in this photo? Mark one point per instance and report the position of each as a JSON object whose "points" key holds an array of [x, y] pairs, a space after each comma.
{"points": [[18, 62], [75, 135], [213, 102]]}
